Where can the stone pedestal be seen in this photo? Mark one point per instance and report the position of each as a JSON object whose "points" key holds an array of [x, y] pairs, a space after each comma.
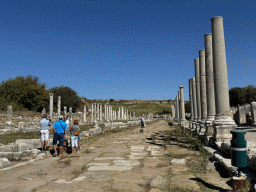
{"points": [[209, 128]]}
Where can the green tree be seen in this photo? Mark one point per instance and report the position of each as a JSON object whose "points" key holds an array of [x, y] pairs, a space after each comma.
{"points": [[69, 97], [25, 92]]}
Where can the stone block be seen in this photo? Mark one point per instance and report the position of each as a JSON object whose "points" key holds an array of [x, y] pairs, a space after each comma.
{"points": [[92, 132], [27, 144], [4, 162], [158, 182], [11, 155], [85, 134], [178, 162]]}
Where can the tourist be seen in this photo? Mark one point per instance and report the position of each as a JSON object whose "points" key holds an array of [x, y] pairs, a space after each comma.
{"points": [[44, 131], [59, 130], [75, 131], [66, 136], [142, 123]]}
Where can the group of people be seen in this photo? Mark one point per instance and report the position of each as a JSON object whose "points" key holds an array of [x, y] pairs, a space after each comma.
{"points": [[60, 132]]}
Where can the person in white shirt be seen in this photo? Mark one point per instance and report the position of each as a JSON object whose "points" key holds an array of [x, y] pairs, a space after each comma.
{"points": [[65, 136]]}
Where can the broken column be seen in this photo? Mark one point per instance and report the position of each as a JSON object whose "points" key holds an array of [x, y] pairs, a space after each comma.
{"points": [[222, 123], [43, 111], [51, 105], [209, 84], [70, 114], [65, 111], [84, 113]]}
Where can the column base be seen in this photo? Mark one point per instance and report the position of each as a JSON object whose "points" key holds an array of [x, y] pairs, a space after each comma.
{"points": [[222, 127], [209, 128], [184, 123], [202, 128]]}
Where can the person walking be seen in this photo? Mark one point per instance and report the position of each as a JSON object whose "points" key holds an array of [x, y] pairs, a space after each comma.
{"points": [[142, 123], [44, 131], [75, 131], [59, 130]]}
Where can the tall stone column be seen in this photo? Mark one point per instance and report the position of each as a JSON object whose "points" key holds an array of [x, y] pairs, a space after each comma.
{"points": [[178, 108], [194, 98], [122, 112], [182, 107], [222, 123], [191, 100], [51, 105], [9, 114], [175, 106], [70, 114], [95, 112], [134, 114], [58, 106], [98, 111], [101, 112], [92, 112], [202, 86], [198, 98], [105, 112], [209, 84], [84, 113]]}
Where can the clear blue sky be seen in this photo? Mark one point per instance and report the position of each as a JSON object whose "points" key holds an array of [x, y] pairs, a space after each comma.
{"points": [[122, 49]]}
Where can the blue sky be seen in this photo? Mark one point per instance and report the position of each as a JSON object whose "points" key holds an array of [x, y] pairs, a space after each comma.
{"points": [[122, 49]]}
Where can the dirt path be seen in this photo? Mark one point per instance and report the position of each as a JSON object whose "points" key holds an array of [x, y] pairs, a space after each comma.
{"points": [[122, 161]]}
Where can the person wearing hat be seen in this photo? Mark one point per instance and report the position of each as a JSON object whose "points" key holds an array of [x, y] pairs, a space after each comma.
{"points": [[142, 123]]}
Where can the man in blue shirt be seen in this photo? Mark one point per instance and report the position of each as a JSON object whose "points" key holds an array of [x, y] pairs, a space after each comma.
{"points": [[44, 131], [59, 129]]}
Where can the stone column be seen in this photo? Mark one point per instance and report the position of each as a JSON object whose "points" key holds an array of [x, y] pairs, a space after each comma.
{"points": [[122, 114], [118, 115], [101, 112], [95, 112], [51, 105], [253, 113], [191, 100], [105, 112], [92, 112], [65, 110], [202, 86], [84, 113], [175, 106], [179, 106], [134, 115], [197, 79], [9, 113], [98, 111], [182, 107], [209, 84], [222, 123], [43, 111], [178, 109], [70, 114], [194, 98], [58, 106]]}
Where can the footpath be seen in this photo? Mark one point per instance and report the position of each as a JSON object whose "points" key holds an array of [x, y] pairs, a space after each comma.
{"points": [[121, 161]]}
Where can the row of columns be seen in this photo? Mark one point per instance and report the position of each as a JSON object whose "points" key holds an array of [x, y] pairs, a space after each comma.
{"points": [[58, 108], [208, 91], [180, 107]]}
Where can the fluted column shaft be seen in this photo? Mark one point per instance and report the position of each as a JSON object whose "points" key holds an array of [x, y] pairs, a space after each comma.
{"points": [[202, 86], [194, 99], [182, 104], [191, 100], [219, 68], [209, 77], [198, 98]]}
